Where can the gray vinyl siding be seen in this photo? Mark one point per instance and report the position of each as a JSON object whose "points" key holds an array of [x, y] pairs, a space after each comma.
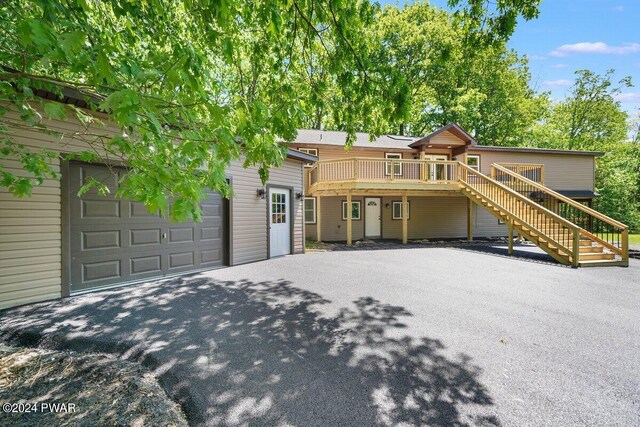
{"points": [[249, 216], [334, 152], [562, 171], [30, 235], [31, 228], [430, 217], [486, 225], [334, 228]]}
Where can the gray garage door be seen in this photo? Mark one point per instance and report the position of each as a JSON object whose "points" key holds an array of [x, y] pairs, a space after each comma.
{"points": [[114, 241]]}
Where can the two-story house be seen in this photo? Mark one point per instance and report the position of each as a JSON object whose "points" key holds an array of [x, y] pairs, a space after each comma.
{"points": [[446, 185]]}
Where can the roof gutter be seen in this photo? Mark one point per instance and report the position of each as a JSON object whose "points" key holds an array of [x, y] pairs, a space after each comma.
{"points": [[535, 150], [299, 155]]}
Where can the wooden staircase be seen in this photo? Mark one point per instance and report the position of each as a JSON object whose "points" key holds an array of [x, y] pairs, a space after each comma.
{"points": [[563, 240]]}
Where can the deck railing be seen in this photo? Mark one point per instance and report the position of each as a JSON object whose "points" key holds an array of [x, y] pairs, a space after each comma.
{"points": [[384, 170], [532, 171], [605, 230]]}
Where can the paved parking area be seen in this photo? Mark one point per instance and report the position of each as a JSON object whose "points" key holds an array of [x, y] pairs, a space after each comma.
{"points": [[423, 336]]}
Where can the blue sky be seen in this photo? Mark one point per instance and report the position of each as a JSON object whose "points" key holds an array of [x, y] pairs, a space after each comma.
{"points": [[579, 34]]}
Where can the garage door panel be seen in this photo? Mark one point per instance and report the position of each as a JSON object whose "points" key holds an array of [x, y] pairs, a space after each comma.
{"points": [[179, 235], [139, 210], [146, 264], [86, 172], [92, 240], [212, 210], [152, 236], [115, 241], [103, 270], [208, 257], [100, 209], [209, 233], [181, 260]]}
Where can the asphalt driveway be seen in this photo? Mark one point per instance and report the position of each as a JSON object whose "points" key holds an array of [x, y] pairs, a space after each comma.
{"points": [[427, 336]]}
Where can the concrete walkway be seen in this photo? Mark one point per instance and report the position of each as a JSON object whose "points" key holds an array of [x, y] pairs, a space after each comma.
{"points": [[425, 336]]}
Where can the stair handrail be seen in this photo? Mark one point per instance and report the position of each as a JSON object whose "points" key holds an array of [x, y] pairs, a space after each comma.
{"points": [[562, 197], [568, 224], [624, 229], [552, 214]]}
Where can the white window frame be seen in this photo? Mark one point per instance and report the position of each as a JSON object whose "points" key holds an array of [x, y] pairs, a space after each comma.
{"points": [[475, 156], [344, 211], [314, 210], [312, 151], [393, 210], [398, 166]]}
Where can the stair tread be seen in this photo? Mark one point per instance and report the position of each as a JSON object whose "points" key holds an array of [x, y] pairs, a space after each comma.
{"points": [[547, 232]]}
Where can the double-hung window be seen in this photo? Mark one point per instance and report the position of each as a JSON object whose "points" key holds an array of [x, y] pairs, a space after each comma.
{"points": [[473, 161], [397, 166], [396, 210], [310, 210], [355, 210]]}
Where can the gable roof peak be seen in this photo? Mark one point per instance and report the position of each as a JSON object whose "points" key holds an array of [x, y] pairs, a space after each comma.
{"points": [[453, 128]]}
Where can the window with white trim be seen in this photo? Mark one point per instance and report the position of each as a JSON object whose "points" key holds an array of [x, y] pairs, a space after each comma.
{"points": [[312, 151], [473, 161], [397, 166], [355, 210], [396, 210], [310, 210]]}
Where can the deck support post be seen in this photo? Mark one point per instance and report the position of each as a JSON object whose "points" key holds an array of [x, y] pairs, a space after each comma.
{"points": [[349, 225], [318, 220], [576, 248], [469, 220], [625, 245], [405, 211], [510, 237]]}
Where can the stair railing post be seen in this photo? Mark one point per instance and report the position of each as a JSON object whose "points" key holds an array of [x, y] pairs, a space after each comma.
{"points": [[625, 245], [511, 237], [576, 247]]}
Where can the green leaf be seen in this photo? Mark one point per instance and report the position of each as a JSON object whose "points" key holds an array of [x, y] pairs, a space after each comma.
{"points": [[55, 110]]}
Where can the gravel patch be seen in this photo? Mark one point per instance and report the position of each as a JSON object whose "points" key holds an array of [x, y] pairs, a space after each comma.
{"points": [[70, 389]]}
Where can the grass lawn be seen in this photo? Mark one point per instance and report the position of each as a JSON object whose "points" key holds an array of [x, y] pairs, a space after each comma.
{"points": [[634, 239]]}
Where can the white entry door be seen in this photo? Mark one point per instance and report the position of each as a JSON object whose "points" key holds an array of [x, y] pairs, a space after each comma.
{"points": [[279, 222], [437, 172], [372, 219]]}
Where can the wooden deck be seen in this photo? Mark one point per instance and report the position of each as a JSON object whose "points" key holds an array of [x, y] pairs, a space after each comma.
{"points": [[514, 193], [361, 176]]}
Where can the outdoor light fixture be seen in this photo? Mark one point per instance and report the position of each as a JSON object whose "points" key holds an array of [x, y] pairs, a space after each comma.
{"points": [[299, 195], [262, 193], [387, 206]]}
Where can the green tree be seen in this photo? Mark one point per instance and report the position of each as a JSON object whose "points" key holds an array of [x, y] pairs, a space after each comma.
{"points": [[191, 84], [590, 118], [444, 75], [634, 128]]}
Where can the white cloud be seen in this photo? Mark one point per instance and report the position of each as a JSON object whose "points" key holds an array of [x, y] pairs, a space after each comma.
{"points": [[557, 83], [629, 97], [537, 57], [618, 8], [595, 48], [559, 66]]}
